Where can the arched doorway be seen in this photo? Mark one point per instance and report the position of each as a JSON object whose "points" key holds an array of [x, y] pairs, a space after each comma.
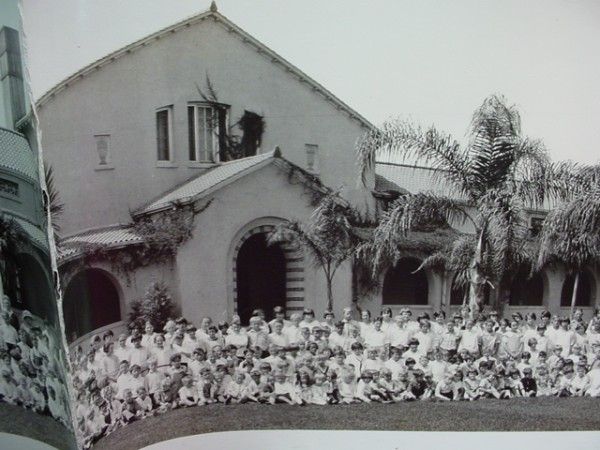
{"points": [[91, 301], [584, 290], [260, 276], [403, 286], [526, 290]]}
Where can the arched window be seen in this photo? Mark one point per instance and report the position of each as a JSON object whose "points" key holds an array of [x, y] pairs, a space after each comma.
{"points": [[527, 291], [403, 287], [584, 290], [91, 301]]}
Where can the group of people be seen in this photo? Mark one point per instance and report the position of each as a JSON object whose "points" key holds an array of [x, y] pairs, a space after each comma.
{"points": [[301, 360], [31, 366]]}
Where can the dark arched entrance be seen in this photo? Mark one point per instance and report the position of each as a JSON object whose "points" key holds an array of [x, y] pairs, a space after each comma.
{"points": [[404, 285], [91, 301], [260, 274]]}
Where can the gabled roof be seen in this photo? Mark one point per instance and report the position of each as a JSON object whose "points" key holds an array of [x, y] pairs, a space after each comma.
{"points": [[16, 155], [208, 181], [212, 14], [221, 175]]}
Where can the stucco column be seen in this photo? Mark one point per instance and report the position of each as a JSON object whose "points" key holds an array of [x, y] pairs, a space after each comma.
{"points": [[436, 288]]}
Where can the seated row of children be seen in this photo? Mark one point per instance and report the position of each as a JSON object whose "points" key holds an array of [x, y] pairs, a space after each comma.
{"points": [[30, 364]]}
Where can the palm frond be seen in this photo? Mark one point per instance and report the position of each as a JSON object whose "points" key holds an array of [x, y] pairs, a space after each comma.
{"points": [[55, 206], [571, 234], [405, 140]]}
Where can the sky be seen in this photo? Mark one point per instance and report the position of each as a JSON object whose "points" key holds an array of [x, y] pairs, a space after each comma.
{"points": [[432, 62]]}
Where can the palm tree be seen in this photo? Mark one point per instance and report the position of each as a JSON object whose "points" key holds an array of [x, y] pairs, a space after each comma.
{"points": [[493, 177], [54, 204], [327, 236], [571, 235]]}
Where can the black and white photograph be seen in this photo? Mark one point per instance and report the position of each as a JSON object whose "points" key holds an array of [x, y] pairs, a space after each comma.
{"points": [[34, 397], [308, 216]]}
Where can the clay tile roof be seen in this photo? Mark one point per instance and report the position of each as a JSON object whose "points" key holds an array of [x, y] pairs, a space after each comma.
{"points": [[414, 179], [206, 182], [16, 155], [116, 236]]}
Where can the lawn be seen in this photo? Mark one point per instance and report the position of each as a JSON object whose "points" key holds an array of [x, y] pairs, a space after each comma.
{"points": [[17, 420], [538, 414]]}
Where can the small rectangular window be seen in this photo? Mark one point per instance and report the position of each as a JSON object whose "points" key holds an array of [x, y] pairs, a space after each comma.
{"points": [[163, 134]]}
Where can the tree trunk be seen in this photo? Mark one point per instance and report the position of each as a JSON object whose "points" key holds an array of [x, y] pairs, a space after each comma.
{"points": [[574, 296], [443, 305], [329, 294], [476, 280]]}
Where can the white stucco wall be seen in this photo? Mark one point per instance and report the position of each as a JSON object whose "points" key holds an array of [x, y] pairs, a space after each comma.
{"points": [[204, 264], [121, 99]]}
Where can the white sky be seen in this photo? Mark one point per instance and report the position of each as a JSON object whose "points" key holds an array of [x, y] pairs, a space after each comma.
{"points": [[432, 61]]}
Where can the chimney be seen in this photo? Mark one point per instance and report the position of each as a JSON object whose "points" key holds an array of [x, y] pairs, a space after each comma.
{"points": [[11, 76]]}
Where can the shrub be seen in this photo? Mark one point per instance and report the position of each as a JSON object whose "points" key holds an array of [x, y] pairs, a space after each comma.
{"points": [[155, 307]]}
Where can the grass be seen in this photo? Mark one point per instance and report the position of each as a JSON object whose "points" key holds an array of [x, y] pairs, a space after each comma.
{"points": [[17, 420], [538, 414]]}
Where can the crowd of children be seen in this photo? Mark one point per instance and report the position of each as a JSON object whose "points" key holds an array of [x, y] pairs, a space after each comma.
{"points": [[31, 364], [302, 360]]}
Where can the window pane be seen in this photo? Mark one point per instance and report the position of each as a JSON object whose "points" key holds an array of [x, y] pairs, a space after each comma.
{"points": [[210, 127], [191, 133], [201, 134], [162, 135]]}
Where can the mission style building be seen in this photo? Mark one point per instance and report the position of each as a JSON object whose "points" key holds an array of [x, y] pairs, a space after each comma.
{"points": [[203, 130]]}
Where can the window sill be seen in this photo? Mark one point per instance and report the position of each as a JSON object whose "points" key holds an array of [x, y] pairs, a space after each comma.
{"points": [[166, 164], [104, 167], [201, 165]]}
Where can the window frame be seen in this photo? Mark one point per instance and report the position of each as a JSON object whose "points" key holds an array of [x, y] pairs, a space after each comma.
{"points": [[170, 162], [216, 133]]}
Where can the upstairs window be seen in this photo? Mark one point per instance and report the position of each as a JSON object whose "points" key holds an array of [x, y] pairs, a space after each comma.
{"points": [[164, 134], [207, 131]]}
